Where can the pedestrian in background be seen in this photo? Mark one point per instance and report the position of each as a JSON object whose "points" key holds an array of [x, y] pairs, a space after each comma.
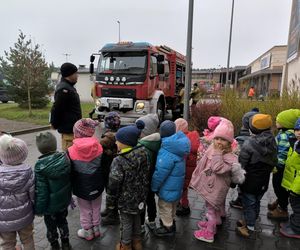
{"points": [[16, 195], [66, 109], [258, 157], [53, 189], [285, 122], [128, 185], [212, 177], [291, 182], [87, 176], [251, 93], [191, 162], [168, 177]]}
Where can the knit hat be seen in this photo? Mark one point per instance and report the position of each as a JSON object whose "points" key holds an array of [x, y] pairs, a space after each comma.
{"points": [[297, 125], [112, 121], [68, 69], [129, 135], [224, 130], [246, 118], [213, 122], [259, 123], [151, 124], [255, 110], [167, 128], [46, 142], [85, 128], [181, 125], [13, 151], [288, 118]]}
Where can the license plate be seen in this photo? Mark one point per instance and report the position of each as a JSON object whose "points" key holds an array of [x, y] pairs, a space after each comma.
{"points": [[113, 101]]}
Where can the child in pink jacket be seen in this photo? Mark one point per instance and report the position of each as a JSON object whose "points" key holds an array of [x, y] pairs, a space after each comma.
{"points": [[212, 177]]}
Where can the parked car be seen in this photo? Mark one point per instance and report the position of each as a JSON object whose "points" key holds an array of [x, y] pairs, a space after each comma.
{"points": [[4, 95]]}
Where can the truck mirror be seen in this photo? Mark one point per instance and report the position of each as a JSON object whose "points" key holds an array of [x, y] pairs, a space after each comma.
{"points": [[160, 69], [91, 68], [92, 58], [160, 58]]}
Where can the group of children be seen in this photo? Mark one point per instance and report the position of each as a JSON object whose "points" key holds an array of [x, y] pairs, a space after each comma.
{"points": [[136, 162]]}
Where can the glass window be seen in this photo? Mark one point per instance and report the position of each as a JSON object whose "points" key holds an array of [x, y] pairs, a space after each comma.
{"points": [[153, 66]]}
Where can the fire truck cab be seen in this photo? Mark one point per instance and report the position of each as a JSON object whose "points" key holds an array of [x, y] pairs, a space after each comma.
{"points": [[137, 78]]}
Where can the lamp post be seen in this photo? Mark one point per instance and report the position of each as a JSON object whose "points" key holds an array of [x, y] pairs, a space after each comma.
{"points": [[188, 70], [119, 30], [229, 47]]}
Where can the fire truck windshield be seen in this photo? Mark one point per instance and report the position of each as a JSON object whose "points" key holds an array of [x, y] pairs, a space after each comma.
{"points": [[131, 63]]}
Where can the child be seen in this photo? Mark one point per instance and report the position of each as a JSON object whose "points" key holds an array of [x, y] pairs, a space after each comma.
{"points": [[128, 183], [53, 189], [241, 138], [212, 178], [168, 177], [291, 182], [16, 194], [108, 141], [191, 162], [258, 158], [285, 122], [151, 141], [87, 176]]}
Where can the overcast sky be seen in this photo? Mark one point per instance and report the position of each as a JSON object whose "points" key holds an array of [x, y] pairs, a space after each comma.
{"points": [[82, 27]]}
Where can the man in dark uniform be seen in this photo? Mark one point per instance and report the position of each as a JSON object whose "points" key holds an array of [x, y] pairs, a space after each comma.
{"points": [[66, 109]]}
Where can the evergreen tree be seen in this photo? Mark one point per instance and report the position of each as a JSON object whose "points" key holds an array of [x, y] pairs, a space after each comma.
{"points": [[27, 73]]}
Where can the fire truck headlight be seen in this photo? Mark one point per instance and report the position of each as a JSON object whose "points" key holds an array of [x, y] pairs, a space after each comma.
{"points": [[118, 79], [139, 106], [98, 103], [123, 79], [106, 79], [111, 78]]}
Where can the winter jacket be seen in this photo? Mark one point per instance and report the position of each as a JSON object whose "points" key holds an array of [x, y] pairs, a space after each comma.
{"points": [[212, 176], [110, 151], [53, 184], [258, 157], [128, 181], [66, 109], [168, 177], [191, 160], [152, 145], [291, 175], [242, 137], [16, 197], [87, 174], [283, 145]]}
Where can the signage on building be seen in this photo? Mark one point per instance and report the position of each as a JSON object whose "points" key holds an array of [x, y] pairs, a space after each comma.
{"points": [[265, 61], [294, 35]]}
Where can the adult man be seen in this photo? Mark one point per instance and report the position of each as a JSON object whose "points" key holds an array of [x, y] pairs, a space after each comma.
{"points": [[66, 109], [196, 94]]}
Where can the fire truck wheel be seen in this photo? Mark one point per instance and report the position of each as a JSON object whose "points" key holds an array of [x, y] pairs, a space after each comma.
{"points": [[161, 110]]}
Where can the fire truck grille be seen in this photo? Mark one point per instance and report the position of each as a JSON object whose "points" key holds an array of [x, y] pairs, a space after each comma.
{"points": [[121, 93]]}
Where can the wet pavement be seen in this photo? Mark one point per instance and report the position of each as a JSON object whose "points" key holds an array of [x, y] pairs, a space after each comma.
{"points": [[268, 237]]}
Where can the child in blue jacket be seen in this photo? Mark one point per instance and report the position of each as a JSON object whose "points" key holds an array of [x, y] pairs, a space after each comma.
{"points": [[168, 177]]}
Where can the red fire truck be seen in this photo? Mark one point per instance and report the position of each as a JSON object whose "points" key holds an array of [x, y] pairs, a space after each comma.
{"points": [[137, 78]]}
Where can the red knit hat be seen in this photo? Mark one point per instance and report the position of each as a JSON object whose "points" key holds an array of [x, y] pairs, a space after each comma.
{"points": [[225, 130], [13, 151], [85, 128]]}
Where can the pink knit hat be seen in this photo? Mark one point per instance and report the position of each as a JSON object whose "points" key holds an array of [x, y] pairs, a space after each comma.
{"points": [[224, 130], [13, 151], [181, 125], [85, 128]]}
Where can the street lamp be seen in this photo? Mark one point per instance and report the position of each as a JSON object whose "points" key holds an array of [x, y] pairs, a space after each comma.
{"points": [[229, 47], [119, 31]]}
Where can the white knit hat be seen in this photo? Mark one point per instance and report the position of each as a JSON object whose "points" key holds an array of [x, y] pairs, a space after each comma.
{"points": [[13, 151]]}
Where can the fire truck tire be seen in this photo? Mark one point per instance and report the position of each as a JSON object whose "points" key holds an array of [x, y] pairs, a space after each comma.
{"points": [[161, 110]]}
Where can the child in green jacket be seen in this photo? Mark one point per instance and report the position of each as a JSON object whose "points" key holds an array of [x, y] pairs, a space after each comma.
{"points": [[291, 182], [53, 189]]}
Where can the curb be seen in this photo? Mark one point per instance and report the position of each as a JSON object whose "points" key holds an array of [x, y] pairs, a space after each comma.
{"points": [[28, 131]]}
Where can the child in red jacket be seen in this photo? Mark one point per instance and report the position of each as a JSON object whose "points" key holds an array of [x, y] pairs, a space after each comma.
{"points": [[191, 162]]}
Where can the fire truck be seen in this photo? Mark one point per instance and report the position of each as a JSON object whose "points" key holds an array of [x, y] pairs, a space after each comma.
{"points": [[137, 78]]}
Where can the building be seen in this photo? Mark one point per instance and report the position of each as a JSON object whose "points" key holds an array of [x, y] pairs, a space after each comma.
{"points": [[291, 76], [84, 84], [265, 72]]}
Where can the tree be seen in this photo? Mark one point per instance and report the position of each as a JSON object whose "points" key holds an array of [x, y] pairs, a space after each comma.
{"points": [[27, 74]]}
